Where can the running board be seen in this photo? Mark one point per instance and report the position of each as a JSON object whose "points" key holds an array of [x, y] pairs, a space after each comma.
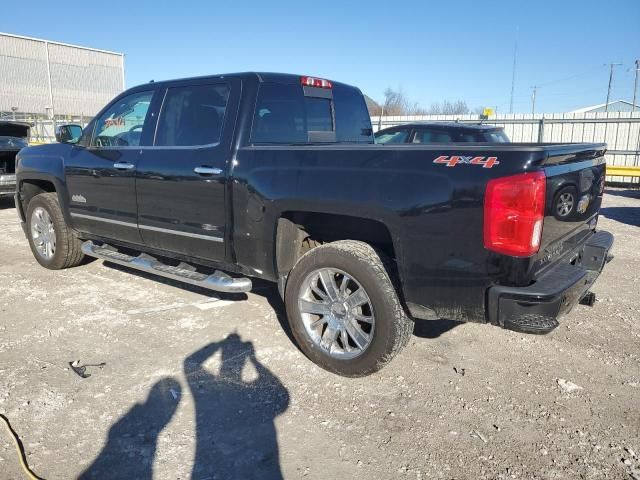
{"points": [[218, 281]]}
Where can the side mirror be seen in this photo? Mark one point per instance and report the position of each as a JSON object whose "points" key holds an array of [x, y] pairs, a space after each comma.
{"points": [[70, 133]]}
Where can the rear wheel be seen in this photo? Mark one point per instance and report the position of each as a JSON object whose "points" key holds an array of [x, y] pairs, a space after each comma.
{"points": [[53, 244], [344, 310]]}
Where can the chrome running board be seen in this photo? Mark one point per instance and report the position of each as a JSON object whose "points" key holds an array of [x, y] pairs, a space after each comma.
{"points": [[218, 281]]}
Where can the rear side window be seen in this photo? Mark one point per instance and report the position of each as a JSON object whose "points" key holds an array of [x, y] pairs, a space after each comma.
{"points": [[284, 115], [192, 115], [280, 115]]}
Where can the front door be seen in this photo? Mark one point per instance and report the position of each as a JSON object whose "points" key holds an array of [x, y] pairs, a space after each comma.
{"points": [[181, 179], [101, 174]]}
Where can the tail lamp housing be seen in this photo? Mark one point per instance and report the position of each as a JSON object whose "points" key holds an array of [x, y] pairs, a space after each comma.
{"points": [[315, 82], [514, 214]]}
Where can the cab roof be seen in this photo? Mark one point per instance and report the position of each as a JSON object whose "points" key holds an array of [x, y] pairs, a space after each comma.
{"points": [[261, 77]]}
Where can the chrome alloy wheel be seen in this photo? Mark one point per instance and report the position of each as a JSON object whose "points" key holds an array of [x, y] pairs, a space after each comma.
{"points": [[336, 312], [565, 204], [43, 233]]}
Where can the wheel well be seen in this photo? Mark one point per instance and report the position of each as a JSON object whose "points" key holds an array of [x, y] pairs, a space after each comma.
{"points": [[299, 231], [31, 188]]}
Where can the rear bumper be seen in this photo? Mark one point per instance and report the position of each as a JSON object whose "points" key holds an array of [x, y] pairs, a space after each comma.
{"points": [[536, 307]]}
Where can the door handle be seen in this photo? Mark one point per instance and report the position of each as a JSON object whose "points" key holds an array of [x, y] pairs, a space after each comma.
{"points": [[207, 170], [123, 166]]}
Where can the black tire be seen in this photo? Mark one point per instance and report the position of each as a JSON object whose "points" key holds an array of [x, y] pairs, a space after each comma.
{"points": [[364, 264], [68, 249], [564, 195]]}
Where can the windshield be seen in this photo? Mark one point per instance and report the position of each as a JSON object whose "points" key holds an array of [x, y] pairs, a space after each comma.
{"points": [[491, 136], [12, 142], [397, 136]]}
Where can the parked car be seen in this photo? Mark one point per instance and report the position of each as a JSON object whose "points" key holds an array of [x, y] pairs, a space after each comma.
{"points": [[13, 137], [218, 179], [442, 132]]}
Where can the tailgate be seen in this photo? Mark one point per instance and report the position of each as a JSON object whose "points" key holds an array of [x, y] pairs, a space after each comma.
{"points": [[575, 185]]}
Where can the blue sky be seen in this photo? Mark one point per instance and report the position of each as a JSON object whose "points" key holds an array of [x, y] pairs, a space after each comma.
{"points": [[432, 50]]}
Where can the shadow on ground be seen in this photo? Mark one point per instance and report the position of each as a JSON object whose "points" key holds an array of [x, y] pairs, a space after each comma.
{"points": [[269, 290], [628, 215], [629, 193], [433, 328], [235, 435]]}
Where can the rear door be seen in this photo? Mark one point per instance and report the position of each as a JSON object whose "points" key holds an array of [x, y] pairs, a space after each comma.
{"points": [[100, 171], [181, 179]]}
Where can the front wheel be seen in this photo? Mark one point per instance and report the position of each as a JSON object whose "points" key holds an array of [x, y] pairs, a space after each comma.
{"points": [[343, 308], [53, 244]]}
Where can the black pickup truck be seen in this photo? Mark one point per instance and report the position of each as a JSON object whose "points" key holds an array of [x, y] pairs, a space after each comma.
{"points": [[14, 136], [218, 179]]}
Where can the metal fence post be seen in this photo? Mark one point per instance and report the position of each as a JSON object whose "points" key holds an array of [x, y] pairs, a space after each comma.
{"points": [[541, 130]]}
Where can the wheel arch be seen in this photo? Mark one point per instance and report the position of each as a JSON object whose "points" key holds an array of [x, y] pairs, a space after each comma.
{"points": [[28, 189], [295, 227]]}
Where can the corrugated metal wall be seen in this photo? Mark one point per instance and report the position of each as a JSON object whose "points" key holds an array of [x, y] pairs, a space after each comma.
{"points": [[82, 80]]}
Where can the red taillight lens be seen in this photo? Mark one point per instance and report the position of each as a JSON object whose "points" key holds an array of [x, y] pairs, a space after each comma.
{"points": [[513, 214], [315, 82]]}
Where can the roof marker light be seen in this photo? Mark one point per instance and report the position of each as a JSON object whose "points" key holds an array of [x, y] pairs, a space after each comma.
{"points": [[315, 82]]}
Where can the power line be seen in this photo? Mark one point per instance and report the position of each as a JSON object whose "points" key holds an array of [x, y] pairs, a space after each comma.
{"points": [[635, 86], [533, 99], [611, 66], [513, 76]]}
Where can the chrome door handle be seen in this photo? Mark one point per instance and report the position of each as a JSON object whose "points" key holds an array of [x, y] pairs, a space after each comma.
{"points": [[207, 171], [123, 166]]}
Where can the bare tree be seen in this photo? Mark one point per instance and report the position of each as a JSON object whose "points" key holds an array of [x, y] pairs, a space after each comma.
{"points": [[397, 103]]}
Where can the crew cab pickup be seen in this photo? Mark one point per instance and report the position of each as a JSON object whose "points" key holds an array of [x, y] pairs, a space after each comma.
{"points": [[217, 180]]}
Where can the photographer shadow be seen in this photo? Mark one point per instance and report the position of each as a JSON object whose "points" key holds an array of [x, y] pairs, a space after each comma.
{"points": [[235, 410], [236, 433]]}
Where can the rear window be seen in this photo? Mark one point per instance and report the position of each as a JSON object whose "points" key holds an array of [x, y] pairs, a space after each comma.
{"points": [[352, 117], [284, 115]]}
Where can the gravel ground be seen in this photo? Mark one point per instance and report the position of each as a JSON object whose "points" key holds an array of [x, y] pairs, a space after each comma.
{"points": [[201, 386]]}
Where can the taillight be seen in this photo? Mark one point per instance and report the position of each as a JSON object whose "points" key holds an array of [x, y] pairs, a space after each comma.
{"points": [[315, 82], [514, 213]]}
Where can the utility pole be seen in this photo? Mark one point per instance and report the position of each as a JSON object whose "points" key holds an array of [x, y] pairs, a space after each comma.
{"points": [[513, 76], [533, 99], [635, 87], [611, 65]]}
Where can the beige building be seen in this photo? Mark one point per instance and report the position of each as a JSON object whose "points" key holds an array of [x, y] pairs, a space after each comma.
{"points": [[42, 78]]}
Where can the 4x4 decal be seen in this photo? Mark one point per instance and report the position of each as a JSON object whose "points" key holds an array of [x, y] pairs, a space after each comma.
{"points": [[452, 161]]}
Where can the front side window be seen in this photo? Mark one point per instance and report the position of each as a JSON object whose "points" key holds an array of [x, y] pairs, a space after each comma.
{"points": [[192, 115], [122, 124]]}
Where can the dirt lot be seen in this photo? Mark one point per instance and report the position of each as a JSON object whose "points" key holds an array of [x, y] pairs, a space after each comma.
{"points": [[209, 387]]}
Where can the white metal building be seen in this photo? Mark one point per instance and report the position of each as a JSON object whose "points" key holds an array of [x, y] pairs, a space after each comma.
{"points": [[41, 78], [614, 106]]}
